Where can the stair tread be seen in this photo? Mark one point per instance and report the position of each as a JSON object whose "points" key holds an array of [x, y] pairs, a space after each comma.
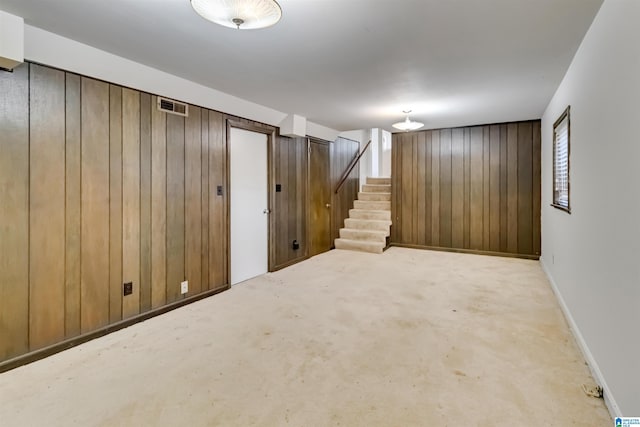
{"points": [[360, 245], [360, 230], [374, 221], [361, 242]]}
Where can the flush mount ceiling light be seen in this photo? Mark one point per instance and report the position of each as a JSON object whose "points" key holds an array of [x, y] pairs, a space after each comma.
{"points": [[240, 14], [407, 124]]}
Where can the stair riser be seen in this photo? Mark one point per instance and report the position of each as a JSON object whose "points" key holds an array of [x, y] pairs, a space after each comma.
{"points": [[375, 215], [381, 206], [360, 224], [346, 233], [374, 197], [376, 188], [379, 181], [375, 248]]}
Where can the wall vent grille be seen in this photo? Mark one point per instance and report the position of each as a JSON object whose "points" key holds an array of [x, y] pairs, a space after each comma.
{"points": [[173, 107]]}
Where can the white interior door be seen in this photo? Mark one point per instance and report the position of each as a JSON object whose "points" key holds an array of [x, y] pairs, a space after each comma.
{"points": [[249, 204]]}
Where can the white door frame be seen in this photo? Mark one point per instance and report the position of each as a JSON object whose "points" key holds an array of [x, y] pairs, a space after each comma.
{"points": [[270, 133]]}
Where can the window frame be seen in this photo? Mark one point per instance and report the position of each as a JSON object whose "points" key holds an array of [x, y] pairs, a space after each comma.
{"points": [[565, 114]]}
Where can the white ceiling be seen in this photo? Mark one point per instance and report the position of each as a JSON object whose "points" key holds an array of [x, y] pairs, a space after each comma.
{"points": [[349, 64]]}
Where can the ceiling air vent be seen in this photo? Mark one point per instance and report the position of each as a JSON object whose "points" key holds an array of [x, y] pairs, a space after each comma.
{"points": [[173, 107]]}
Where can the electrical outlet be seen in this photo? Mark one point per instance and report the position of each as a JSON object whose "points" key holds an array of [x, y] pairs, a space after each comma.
{"points": [[127, 288], [184, 287]]}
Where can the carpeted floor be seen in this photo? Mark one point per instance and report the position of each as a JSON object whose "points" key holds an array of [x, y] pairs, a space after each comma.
{"points": [[406, 338]]}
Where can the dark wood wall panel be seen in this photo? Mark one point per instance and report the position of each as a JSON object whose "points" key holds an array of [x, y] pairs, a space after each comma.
{"points": [[457, 188], [290, 203], [158, 207], [435, 194], [72, 207], [193, 200], [95, 205], [475, 188], [131, 199], [14, 212], [218, 242], [145, 201], [175, 206], [476, 182], [46, 206], [206, 194], [115, 205], [99, 188], [342, 152]]}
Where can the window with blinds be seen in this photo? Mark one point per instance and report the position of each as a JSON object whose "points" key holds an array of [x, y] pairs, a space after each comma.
{"points": [[561, 137]]}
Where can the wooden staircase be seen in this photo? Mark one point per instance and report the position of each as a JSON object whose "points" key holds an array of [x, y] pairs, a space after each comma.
{"points": [[369, 222]]}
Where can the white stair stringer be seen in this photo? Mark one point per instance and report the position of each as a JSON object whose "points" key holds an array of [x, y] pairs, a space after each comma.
{"points": [[369, 222]]}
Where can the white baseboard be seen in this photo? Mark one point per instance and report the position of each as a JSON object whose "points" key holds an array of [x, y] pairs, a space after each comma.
{"points": [[612, 406]]}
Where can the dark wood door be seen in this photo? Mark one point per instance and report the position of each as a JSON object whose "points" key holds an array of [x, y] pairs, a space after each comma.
{"points": [[319, 198]]}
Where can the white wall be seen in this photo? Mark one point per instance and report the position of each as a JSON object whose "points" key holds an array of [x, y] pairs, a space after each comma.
{"points": [[385, 147], [51, 49], [362, 136], [592, 255]]}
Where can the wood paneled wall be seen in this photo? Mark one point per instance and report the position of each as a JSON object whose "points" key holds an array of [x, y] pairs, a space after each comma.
{"points": [[343, 151], [474, 188], [98, 188], [291, 202]]}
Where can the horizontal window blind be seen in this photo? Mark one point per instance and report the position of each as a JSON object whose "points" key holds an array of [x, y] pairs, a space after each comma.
{"points": [[561, 163]]}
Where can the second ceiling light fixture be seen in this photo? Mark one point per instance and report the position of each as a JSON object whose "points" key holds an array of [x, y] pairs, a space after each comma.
{"points": [[407, 124]]}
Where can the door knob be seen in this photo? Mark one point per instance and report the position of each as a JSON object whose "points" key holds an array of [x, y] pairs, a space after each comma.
{"points": [[266, 211], [328, 205]]}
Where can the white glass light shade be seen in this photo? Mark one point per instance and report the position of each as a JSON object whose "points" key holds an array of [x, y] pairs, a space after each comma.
{"points": [[407, 125], [242, 14]]}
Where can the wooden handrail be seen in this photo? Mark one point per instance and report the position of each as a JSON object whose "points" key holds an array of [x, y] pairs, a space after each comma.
{"points": [[352, 165]]}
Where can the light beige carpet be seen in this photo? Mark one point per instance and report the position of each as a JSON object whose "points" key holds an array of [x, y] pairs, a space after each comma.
{"points": [[407, 338]]}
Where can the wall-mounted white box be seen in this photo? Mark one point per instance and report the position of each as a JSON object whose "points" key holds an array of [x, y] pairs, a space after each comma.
{"points": [[294, 125], [11, 40]]}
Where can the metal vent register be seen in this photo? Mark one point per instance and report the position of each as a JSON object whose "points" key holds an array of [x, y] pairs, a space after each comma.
{"points": [[173, 107]]}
